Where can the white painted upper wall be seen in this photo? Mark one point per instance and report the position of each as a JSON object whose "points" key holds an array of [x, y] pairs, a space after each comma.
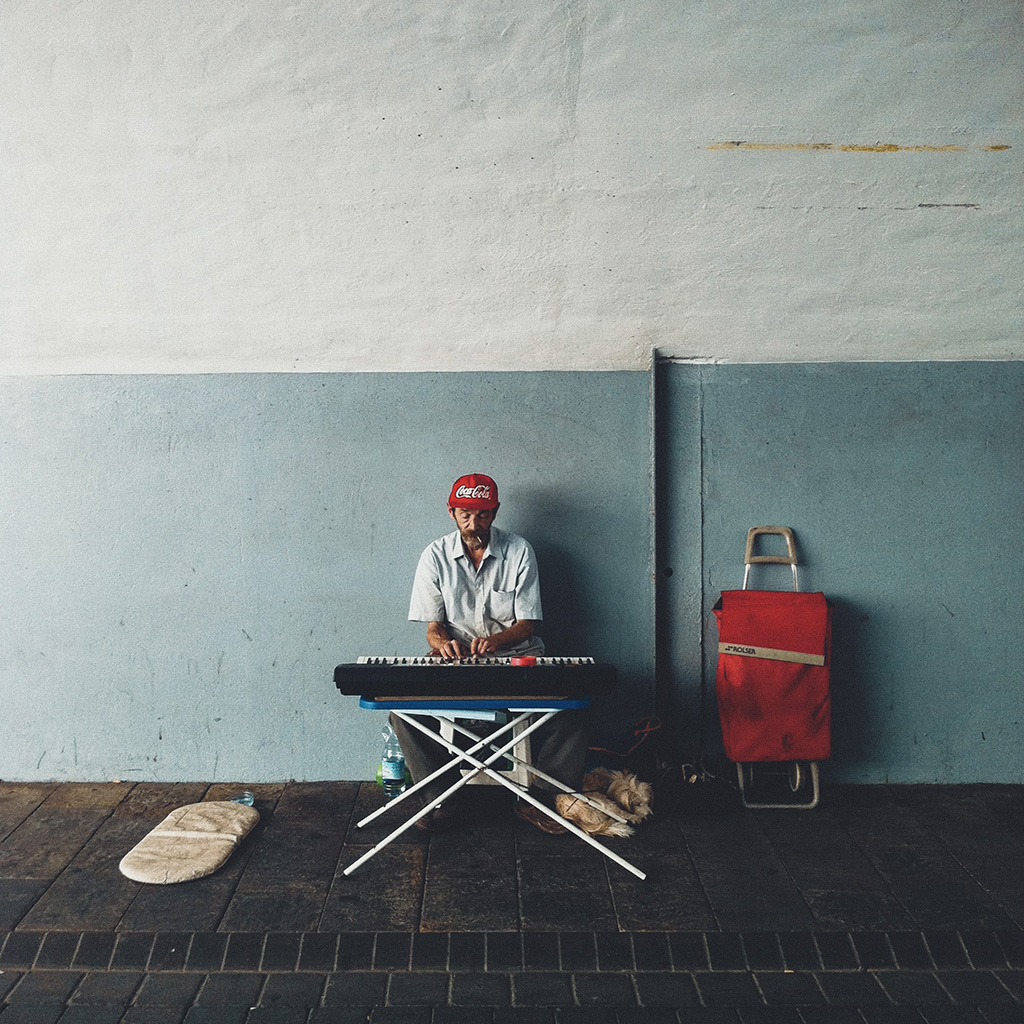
{"points": [[232, 185]]}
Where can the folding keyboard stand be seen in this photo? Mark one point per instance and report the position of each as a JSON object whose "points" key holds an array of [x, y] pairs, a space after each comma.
{"points": [[529, 716]]}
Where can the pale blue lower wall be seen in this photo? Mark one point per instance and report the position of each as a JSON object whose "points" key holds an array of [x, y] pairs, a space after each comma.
{"points": [[904, 483], [186, 558]]}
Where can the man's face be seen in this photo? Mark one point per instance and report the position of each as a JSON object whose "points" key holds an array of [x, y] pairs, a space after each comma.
{"points": [[474, 525]]}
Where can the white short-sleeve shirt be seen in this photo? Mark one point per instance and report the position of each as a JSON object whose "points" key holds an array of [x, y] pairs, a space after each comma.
{"points": [[478, 602]]}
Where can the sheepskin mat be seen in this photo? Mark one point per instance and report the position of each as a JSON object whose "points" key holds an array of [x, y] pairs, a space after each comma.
{"points": [[191, 842]]}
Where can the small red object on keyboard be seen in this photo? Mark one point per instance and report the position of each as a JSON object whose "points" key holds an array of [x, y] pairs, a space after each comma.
{"points": [[524, 661]]}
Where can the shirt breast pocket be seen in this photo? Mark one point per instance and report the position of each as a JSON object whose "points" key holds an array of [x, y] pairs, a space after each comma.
{"points": [[503, 606]]}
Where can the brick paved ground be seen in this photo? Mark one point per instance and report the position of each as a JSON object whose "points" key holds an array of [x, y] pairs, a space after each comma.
{"points": [[885, 904]]}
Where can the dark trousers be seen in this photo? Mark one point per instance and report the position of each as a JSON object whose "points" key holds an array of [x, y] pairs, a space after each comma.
{"points": [[558, 747]]}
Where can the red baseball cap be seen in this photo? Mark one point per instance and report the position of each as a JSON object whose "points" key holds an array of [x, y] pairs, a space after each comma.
{"points": [[474, 491]]}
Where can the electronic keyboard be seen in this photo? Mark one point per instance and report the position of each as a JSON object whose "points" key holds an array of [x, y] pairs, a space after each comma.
{"points": [[486, 678]]}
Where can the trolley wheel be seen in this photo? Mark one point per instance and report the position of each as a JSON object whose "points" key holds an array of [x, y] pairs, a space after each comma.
{"points": [[768, 788]]}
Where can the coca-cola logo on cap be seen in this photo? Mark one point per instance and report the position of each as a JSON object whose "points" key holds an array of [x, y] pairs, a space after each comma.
{"points": [[480, 491]]}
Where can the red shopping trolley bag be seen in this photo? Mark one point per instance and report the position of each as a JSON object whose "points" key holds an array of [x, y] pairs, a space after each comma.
{"points": [[772, 681]]}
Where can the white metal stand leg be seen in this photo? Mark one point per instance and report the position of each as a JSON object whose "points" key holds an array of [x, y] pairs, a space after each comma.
{"points": [[557, 783], [427, 808], [461, 755], [482, 742]]}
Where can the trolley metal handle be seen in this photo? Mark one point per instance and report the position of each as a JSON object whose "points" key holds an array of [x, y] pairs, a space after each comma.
{"points": [[789, 558]]}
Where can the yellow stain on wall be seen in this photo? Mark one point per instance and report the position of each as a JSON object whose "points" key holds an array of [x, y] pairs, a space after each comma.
{"points": [[835, 147]]}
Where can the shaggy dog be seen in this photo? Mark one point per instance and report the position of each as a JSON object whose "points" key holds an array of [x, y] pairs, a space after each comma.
{"points": [[620, 792]]}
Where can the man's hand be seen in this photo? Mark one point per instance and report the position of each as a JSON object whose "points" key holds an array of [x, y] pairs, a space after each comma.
{"points": [[442, 645], [451, 650], [483, 647], [454, 650]]}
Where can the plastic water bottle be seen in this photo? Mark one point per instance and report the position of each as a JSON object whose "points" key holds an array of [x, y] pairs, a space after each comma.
{"points": [[392, 765]]}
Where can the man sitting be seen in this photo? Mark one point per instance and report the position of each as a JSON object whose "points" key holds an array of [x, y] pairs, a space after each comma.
{"points": [[478, 590]]}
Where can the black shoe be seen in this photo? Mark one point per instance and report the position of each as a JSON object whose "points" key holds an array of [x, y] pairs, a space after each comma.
{"points": [[440, 819]]}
